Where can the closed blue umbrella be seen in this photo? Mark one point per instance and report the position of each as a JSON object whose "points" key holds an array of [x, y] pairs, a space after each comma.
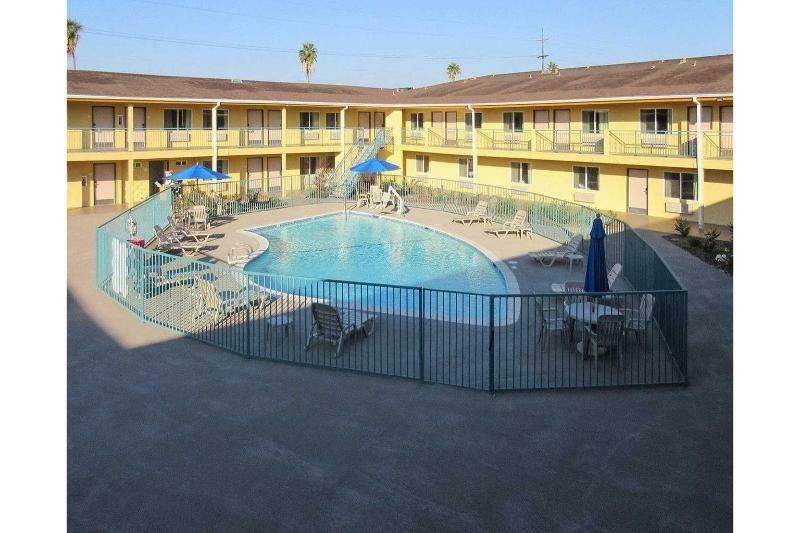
{"points": [[374, 165], [596, 275], [198, 172]]}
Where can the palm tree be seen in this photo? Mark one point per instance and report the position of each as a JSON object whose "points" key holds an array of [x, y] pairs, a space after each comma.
{"points": [[552, 67], [453, 70], [74, 29], [308, 56]]}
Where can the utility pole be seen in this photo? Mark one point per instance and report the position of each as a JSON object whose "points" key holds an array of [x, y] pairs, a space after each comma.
{"points": [[542, 55]]}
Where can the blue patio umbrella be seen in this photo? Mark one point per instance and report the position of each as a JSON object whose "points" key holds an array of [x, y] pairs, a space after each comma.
{"points": [[596, 275], [374, 165], [198, 172]]}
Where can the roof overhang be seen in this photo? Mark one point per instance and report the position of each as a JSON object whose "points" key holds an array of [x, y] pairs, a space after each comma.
{"points": [[211, 101]]}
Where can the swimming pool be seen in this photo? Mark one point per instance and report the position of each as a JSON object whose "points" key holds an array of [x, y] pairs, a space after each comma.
{"points": [[367, 248]]}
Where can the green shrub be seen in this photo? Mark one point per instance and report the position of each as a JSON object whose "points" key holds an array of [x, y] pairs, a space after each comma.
{"points": [[711, 240], [683, 227]]}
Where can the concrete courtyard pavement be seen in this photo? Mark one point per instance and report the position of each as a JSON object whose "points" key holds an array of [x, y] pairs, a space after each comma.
{"points": [[166, 433]]}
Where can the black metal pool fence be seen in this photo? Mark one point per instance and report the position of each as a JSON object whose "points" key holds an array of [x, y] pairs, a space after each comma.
{"points": [[489, 342]]}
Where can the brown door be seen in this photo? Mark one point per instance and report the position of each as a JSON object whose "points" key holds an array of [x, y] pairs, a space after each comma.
{"points": [[139, 126], [274, 173], [103, 126], [104, 183], [561, 127], [726, 131], [541, 119], [364, 124], [255, 174], [274, 125], [451, 129], [380, 119], [157, 170], [637, 190], [255, 127]]}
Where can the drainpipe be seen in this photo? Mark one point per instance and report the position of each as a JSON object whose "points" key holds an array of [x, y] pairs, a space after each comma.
{"points": [[341, 133], [214, 135], [474, 145], [698, 128]]}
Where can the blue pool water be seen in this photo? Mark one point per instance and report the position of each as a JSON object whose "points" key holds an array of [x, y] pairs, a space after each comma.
{"points": [[370, 249]]}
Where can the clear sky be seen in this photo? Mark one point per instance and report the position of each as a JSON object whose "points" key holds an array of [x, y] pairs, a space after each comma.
{"points": [[390, 44]]}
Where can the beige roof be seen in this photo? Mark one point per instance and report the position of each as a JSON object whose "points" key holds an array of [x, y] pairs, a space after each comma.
{"points": [[711, 75]]}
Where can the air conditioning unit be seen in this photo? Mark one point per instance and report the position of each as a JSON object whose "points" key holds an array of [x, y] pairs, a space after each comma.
{"points": [[680, 208]]}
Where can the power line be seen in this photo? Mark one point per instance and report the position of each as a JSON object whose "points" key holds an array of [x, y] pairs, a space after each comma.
{"points": [[252, 48], [373, 29]]}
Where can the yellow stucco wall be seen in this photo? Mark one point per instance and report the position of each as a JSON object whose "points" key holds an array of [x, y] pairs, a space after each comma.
{"points": [[550, 173]]}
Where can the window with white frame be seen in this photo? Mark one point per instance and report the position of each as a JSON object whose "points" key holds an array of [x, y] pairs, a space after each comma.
{"points": [[332, 121], [423, 164], [513, 121], [586, 178], [222, 165], [177, 119], [655, 120], [309, 119], [465, 168], [520, 172], [308, 165], [594, 121], [468, 121], [180, 162], [222, 119], [417, 121], [680, 185]]}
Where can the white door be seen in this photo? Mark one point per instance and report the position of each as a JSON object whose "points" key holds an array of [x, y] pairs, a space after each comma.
{"points": [[364, 123], [726, 131], [255, 127], [274, 125], [103, 126], [104, 183], [255, 173], [561, 127], [274, 173], [139, 126], [637, 190], [451, 131]]}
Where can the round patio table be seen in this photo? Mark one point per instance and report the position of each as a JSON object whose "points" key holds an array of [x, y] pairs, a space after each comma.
{"points": [[582, 312]]}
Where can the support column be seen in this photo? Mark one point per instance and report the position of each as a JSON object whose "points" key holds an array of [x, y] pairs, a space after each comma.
{"points": [[130, 146], [342, 129], [698, 128], [129, 195], [474, 145], [214, 140]]}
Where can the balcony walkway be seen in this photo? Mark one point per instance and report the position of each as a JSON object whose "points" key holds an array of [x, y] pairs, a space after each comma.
{"points": [[202, 438]]}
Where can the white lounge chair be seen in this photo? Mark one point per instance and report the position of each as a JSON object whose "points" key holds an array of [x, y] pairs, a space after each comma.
{"points": [[606, 336], [613, 274], [572, 247], [515, 225], [168, 242], [375, 197], [221, 303], [638, 320], [479, 214], [182, 230], [337, 325]]}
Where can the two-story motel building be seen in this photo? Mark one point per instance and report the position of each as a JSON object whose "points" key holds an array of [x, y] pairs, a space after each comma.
{"points": [[620, 138]]}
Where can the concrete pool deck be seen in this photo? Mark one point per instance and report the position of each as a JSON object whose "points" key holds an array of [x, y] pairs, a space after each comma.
{"points": [[168, 433]]}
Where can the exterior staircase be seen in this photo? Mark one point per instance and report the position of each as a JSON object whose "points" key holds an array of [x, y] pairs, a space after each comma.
{"points": [[341, 180]]}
